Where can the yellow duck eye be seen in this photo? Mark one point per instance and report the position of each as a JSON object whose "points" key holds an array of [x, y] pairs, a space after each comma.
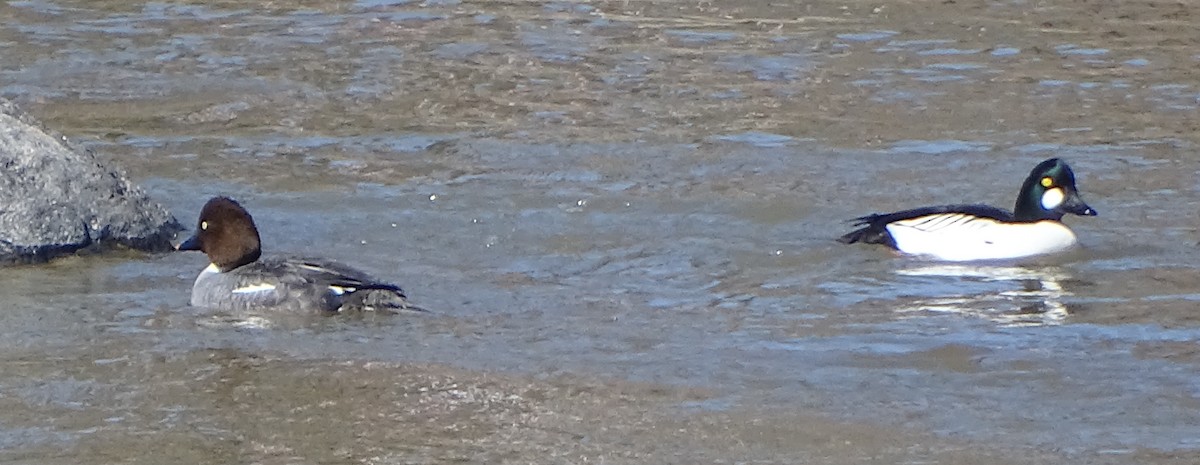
{"points": [[204, 224], [1047, 181]]}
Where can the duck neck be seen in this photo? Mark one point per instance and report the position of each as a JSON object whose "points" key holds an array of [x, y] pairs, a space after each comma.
{"points": [[1029, 204]]}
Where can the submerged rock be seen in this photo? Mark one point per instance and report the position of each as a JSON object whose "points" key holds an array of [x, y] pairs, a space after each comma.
{"points": [[56, 199]]}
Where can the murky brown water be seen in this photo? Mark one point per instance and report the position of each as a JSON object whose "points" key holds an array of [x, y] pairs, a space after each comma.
{"points": [[623, 213]]}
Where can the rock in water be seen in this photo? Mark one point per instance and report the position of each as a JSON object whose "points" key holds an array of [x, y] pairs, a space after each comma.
{"points": [[56, 199]]}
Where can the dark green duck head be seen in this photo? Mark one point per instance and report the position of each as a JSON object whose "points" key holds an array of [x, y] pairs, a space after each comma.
{"points": [[1049, 193]]}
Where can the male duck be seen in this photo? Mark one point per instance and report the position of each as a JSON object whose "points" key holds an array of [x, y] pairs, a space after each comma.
{"points": [[238, 279], [982, 232]]}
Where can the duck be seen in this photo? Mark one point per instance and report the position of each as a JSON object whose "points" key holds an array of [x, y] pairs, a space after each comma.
{"points": [[960, 233], [240, 278]]}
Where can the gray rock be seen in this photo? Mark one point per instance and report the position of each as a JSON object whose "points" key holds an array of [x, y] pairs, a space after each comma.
{"points": [[57, 199]]}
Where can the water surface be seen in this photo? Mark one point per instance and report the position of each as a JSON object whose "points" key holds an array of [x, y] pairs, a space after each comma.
{"points": [[623, 215]]}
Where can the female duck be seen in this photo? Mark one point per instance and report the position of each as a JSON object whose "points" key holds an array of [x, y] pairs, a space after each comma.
{"points": [[982, 232], [238, 279]]}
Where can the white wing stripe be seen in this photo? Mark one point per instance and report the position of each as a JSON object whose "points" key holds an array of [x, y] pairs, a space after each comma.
{"points": [[260, 287], [341, 290]]}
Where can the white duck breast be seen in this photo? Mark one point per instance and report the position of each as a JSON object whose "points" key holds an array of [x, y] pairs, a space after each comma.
{"points": [[963, 237]]}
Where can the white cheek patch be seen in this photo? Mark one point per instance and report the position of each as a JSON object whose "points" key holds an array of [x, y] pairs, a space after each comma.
{"points": [[1053, 198], [262, 287]]}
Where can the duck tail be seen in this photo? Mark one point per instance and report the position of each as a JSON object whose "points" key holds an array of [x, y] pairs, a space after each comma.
{"points": [[386, 298], [857, 235], [873, 231]]}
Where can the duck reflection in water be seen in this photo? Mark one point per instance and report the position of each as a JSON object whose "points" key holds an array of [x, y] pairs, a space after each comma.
{"points": [[1037, 300]]}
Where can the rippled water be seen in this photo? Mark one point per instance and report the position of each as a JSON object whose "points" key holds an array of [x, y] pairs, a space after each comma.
{"points": [[622, 212]]}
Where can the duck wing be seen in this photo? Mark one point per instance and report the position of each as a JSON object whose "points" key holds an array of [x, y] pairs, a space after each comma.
{"points": [[341, 286], [873, 228]]}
